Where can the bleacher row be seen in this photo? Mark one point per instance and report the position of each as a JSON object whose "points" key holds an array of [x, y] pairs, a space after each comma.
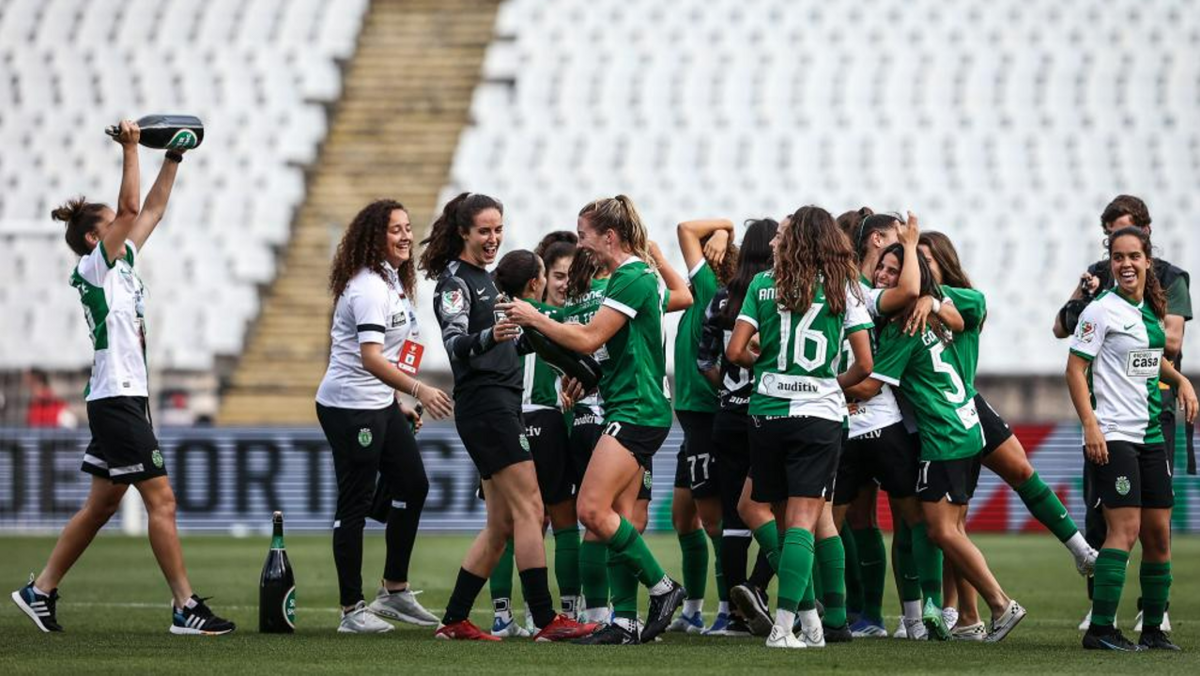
{"points": [[259, 75], [1009, 125]]}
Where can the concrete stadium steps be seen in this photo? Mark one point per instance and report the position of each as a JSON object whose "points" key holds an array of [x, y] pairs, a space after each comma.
{"points": [[406, 97]]}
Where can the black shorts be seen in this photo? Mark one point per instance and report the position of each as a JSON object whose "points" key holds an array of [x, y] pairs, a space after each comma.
{"points": [[731, 439], [794, 457], [1137, 475], [694, 466], [546, 431], [888, 456], [494, 438], [123, 448], [995, 430], [586, 430], [953, 480], [642, 441]]}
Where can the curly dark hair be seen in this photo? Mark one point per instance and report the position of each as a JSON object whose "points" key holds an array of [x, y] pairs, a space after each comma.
{"points": [[445, 240], [812, 250], [929, 287], [364, 246]]}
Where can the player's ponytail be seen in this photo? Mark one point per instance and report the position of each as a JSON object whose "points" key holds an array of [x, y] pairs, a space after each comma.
{"points": [[81, 218], [619, 214], [446, 236]]}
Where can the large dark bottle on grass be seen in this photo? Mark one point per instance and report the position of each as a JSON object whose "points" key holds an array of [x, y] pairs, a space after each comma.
{"points": [[277, 587]]}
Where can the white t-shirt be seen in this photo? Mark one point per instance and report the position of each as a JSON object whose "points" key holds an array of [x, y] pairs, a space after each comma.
{"points": [[114, 304], [370, 310], [1124, 344], [881, 410]]}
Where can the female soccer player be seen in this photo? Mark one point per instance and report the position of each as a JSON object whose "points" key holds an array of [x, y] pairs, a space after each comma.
{"points": [[731, 424], [628, 326], [1116, 361], [928, 370], [802, 310], [462, 242], [697, 500], [374, 332], [124, 450]]}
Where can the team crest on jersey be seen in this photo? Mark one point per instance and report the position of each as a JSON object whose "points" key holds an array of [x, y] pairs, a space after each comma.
{"points": [[1123, 485], [1087, 331], [365, 437], [647, 479], [453, 301], [157, 458], [524, 443]]}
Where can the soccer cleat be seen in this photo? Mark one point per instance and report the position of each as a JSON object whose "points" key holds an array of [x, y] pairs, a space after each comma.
{"points": [[359, 620], [40, 608], [687, 624], [840, 634], [719, 626], [463, 630], [969, 632], [506, 626], [751, 602], [571, 607], [950, 616], [914, 629], [1137, 623], [563, 628], [935, 624], [782, 637], [1156, 639], [1108, 638], [814, 637], [1007, 621], [616, 633], [865, 628], [737, 628], [199, 620], [901, 630], [662, 608], [1086, 564], [1087, 621], [402, 606]]}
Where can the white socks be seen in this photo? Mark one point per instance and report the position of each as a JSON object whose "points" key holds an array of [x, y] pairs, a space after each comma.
{"points": [[912, 610], [662, 586], [1078, 546], [810, 619], [785, 619], [723, 608], [693, 606]]}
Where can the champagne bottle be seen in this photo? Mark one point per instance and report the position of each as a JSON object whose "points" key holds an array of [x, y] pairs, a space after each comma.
{"points": [[167, 132], [277, 587]]}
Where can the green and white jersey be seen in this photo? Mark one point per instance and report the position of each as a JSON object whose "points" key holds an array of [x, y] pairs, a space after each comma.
{"points": [[114, 304], [542, 383], [881, 410], [796, 373], [1124, 344], [580, 310], [972, 305], [693, 392], [634, 368], [930, 375]]}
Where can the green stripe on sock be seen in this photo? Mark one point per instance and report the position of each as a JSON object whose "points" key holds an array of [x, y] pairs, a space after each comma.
{"points": [[718, 573], [624, 584], [854, 581], [929, 564], [694, 548], [872, 567], [1045, 506], [795, 567], [831, 559], [1156, 591], [637, 555], [501, 582], [767, 537], [1110, 581], [907, 581], [566, 561], [593, 573]]}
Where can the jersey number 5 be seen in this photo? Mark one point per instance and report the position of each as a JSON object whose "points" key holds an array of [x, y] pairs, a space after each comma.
{"points": [[959, 393], [804, 335]]}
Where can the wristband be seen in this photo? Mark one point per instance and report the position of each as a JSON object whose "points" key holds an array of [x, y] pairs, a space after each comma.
{"points": [[416, 388], [937, 306], [175, 156]]}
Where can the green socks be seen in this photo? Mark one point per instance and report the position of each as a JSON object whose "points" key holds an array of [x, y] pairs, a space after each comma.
{"points": [[929, 563], [767, 537], [566, 561], [1045, 506], [1156, 589], [1110, 580], [501, 582], [718, 574], [624, 586], [831, 558], [809, 600], [636, 554], [795, 567], [872, 566], [908, 583], [694, 547], [854, 581], [593, 573]]}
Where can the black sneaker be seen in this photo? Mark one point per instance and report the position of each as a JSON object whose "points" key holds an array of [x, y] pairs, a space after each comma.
{"points": [[737, 627], [199, 620], [1108, 638], [662, 609], [751, 602], [839, 635], [610, 634], [1154, 638], [39, 607]]}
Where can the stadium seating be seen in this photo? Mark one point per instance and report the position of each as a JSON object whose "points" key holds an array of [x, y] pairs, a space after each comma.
{"points": [[258, 73], [1008, 125]]}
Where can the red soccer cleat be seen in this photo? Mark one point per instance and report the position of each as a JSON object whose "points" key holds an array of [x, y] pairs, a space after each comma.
{"points": [[463, 630], [564, 628]]}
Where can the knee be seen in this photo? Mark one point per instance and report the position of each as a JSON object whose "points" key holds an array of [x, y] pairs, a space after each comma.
{"points": [[162, 506], [942, 534], [591, 514], [1156, 543], [101, 511]]}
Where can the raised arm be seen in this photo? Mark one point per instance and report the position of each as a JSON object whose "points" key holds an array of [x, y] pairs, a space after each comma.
{"points": [[681, 291], [156, 201], [129, 199], [908, 287], [692, 233]]}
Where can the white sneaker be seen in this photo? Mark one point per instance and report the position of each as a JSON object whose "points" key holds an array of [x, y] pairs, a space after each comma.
{"points": [[506, 626], [1137, 624], [1087, 564], [950, 617], [1007, 621], [359, 621], [402, 606], [970, 632], [914, 629], [901, 631], [783, 638], [1166, 623], [687, 624], [1087, 622], [813, 637]]}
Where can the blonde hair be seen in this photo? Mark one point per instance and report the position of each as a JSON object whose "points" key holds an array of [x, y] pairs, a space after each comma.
{"points": [[619, 214]]}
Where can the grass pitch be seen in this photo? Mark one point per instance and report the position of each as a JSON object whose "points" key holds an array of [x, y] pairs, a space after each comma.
{"points": [[115, 610]]}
